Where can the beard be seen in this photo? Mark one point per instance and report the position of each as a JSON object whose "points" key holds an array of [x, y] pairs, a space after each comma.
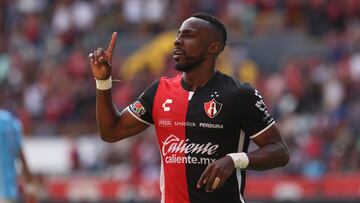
{"points": [[188, 67]]}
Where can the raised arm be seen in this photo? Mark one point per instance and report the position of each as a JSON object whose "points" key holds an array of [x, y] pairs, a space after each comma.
{"points": [[112, 125]]}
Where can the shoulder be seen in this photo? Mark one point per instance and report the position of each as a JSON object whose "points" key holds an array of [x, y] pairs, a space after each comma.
{"points": [[242, 86], [170, 80], [246, 93], [166, 83], [241, 90], [5, 115], [228, 81], [9, 120], [148, 95], [152, 88], [247, 89], [234, 89]]}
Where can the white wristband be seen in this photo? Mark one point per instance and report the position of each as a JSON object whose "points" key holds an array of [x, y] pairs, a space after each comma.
{"points": [[241, 160], [103, 84]]}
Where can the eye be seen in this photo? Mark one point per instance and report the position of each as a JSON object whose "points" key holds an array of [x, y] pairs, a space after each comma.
{"points": [[188, 35], [185, 34]]}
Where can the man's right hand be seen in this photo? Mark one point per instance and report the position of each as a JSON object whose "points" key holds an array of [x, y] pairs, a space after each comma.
{"points": [[101, 60]]}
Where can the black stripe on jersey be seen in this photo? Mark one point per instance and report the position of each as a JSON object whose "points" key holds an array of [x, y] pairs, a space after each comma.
{"points": [[227, 137], [147, 100]]}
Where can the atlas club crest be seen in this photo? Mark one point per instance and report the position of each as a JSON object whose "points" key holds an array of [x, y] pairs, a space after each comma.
{"points": [[212, 108]]}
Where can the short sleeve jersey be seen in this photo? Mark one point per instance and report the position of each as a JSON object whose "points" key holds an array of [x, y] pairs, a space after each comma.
{"points": [[194, 129], [10, 145]]}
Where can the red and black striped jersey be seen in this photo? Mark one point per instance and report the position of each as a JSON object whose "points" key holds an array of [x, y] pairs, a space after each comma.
{"points": [[194, 129]]}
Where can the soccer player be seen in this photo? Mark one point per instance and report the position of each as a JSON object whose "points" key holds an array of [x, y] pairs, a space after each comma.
{"points": [[10, 151], [204, 119]]}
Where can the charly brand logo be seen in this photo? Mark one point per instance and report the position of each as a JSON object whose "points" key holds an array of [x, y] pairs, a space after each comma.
{"points": [[173, 144], [137, 108], [166, 104]]}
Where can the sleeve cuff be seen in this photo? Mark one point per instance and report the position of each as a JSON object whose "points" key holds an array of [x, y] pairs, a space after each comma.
{"points": [[138, 118], [263, 130]]}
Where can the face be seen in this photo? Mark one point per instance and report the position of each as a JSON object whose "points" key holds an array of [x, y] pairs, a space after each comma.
{"points": [[191, 44]]}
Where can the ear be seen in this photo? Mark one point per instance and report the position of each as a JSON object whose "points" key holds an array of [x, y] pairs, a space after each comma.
{"points": [[214, 48]]}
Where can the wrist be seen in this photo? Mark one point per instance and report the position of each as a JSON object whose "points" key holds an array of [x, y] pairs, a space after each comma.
{"points": [[103, 84], [241, 160]]}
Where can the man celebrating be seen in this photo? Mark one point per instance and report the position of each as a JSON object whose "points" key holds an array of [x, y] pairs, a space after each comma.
{"points": [[204, 119]]}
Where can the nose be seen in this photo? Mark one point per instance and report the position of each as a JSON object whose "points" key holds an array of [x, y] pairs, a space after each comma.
{"points": [[177, 41]]}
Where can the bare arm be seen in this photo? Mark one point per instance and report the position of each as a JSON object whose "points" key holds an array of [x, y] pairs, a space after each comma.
{"points": [[273, 151], [28, 184], [113, 126], [25, 169]]}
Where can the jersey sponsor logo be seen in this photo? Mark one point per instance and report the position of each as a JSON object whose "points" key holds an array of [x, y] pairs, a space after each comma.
{"points": [[183, 123], [174, 145], [212, 108], [165, 123], [211, 125], [137, 108], [166, 104], [175, 159], [169, 123]]}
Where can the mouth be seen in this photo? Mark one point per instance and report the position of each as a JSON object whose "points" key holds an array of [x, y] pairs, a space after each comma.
{"points": [[177, 52]]}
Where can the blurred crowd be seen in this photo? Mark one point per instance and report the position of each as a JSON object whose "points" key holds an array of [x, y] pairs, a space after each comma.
{"points": [[46, 81]]}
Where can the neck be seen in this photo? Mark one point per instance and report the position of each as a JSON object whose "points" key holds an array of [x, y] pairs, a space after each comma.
{"points": [[198, 77]]}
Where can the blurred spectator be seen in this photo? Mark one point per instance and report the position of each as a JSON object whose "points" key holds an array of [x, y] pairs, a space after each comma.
{"points": [[10, 152]]}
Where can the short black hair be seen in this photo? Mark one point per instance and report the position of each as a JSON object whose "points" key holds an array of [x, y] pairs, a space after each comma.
{"points": [[215, 23]]}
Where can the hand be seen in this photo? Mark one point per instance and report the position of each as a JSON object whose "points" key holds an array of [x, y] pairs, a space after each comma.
{"points": [[216, 174], [101, 60]]}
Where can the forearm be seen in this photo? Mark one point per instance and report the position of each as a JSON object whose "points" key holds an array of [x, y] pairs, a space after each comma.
{"points": [[29, 186], [106, 115], [24, 168], [269, 156]]}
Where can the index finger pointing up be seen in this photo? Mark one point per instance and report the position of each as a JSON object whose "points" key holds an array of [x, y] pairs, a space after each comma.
{"points": [[112, 44]]}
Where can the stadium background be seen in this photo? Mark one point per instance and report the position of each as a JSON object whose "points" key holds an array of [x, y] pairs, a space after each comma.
{"points": [[303, 56]]}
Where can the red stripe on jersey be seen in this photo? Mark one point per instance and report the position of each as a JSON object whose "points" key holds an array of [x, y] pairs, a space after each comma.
{"points": [[169, 114]]}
